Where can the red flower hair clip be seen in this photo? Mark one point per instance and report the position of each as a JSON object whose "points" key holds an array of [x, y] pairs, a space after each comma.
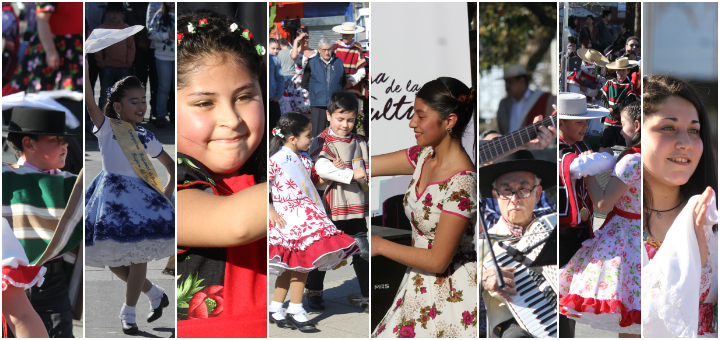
{"points": [[466, 98], [179, 38], [203, 22]]}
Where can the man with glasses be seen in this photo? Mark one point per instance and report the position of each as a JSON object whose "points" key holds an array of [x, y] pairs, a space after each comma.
{"points": [[633, 43], [322, 77], [517, 185]]}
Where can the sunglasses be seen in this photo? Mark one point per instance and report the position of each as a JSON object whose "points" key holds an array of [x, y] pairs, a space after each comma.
{"points": [[634, 45]]}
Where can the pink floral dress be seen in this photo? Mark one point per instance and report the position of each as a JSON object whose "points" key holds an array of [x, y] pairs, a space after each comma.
{"points": [[309, 239], [707, 321], [600, 286], [430, 305]]}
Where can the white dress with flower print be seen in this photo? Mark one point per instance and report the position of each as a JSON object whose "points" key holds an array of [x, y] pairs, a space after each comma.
{"points": [[600, 286], [430, 305]]}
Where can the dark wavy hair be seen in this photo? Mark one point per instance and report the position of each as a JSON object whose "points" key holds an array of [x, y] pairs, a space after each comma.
{"points": [[343, 101], [290, 124], [215, 39], [656, 90], [119, 90]]}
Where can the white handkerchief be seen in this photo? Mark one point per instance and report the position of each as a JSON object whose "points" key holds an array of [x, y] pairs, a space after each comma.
{"points": [[101, 37], [591, 165], [44, 100]]}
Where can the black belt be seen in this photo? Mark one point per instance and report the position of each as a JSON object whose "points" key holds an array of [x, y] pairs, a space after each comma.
{"points": [[54, 266]]}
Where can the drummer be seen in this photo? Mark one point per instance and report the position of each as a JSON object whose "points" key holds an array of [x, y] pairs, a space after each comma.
{"points": [[517, 185], [587, 81]]}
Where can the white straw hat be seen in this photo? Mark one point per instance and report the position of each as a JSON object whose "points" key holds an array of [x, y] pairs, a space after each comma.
{"points": [[515, 70], [348, 28], [593, 56], [574, 106]]}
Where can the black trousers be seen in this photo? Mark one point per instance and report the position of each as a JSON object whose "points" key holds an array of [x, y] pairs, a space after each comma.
{"points": [[52, 301], [146, 71], [566, 327], [361, 266], [511, 329], [318, 119]]}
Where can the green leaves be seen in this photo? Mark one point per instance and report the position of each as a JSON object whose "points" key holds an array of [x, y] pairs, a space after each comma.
{"points": [[187, 289]]}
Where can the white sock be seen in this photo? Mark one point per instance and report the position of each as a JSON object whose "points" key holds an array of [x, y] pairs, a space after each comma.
{"points": [[127, 313], [298, 311], [155, 295], [276, 310]]}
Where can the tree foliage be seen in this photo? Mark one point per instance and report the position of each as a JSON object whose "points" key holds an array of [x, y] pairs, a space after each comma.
{"points": [[512, 33]]}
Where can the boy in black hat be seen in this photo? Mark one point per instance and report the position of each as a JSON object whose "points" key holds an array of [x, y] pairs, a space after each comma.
{"points": [[37, 136]]}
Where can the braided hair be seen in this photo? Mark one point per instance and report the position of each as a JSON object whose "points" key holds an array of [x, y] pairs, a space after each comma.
{"points": [[448, 95], [290, 124], [118, 91], [216, 38]]}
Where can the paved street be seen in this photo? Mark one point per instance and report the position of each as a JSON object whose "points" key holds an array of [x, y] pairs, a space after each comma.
{"points": [[340, 319]]}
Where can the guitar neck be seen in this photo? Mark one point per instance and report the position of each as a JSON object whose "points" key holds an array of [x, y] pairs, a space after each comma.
{"points": [[505, 144]]}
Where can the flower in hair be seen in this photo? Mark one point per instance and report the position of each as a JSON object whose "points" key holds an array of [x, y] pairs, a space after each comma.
{"points": [[203, 22], [246, 34], [260, 50], [233, 27], [191, 27], [276, 132], [109, 91], [466, 98], [179, 37]]}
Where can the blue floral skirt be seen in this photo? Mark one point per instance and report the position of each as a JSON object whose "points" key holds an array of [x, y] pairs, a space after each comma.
{"points": [[126, 222]]}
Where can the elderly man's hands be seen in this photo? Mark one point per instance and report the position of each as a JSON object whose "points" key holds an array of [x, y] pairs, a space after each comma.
{"points": [[490, 282]]}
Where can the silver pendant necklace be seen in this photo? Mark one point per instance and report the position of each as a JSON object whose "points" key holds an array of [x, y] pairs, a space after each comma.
{"points": [[659, 212]]}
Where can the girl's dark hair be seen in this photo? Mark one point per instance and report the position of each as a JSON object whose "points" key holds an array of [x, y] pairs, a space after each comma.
{"points": [[443, 95], [571, 22], [165, 19], [632, 111], [215, 39], [290, 124], [656, 90], [119, 90]]}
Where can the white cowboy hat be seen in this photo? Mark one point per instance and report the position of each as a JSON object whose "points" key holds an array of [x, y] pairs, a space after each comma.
{"points": [[592, 56], [348, 28], [574, 106], [622, 64], [512, 71]]}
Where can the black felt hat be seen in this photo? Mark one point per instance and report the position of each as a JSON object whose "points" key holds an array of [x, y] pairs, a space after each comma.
{"points": [[521, 160], [37, 121], [114, 6]]}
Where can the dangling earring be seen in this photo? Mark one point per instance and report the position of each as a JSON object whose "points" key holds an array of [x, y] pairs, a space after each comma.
{"points": [[449, 130]]}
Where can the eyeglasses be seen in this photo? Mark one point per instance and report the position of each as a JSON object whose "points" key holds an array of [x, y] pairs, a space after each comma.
{"points": [[325, 49], [522, 193], [634, 45]]}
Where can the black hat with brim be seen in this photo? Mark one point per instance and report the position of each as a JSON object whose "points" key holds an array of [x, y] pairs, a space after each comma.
{"points": [[114, 6], [37, 121], [521, 160]]}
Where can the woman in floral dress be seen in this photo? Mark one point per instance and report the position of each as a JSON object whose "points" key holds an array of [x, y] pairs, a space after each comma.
{"points": [[600, 285], [295, 98], [680, 213], [438, 294], [53, 60]]}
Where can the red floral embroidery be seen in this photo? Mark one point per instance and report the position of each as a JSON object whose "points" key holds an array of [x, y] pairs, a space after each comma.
{"points": [[206, 303]]}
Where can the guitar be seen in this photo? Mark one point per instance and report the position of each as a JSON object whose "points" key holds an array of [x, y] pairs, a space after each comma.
{"points": [[505, 144]]}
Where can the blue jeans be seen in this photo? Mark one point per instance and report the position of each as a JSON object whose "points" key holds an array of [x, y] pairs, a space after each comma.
{"points": [[166, 75], [108, 77]]}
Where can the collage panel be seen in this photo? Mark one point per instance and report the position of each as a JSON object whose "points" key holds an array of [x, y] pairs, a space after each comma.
{"points": [[517, 235], [600, 170], [318, 169], [680, 132], [42, 176], [129, 159], [221, 176], [424, 180]]}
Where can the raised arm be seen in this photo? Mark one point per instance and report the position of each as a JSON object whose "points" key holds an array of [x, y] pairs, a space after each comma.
{"points": [[46, 39], [96, 115], [447, 238], [391, 164], [206, 220], [169, 164]]}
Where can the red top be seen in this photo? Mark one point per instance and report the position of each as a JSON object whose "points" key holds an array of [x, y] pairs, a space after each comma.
{"points": [[245, 293], [66, 18]]}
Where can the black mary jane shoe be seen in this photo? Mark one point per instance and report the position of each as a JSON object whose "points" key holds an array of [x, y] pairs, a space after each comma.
{"points": [[306, 326], [279, 323], [129, 328], [157, 312]]}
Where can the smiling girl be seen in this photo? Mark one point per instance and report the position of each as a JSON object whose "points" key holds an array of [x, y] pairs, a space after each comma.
{"points": [[129, 220], [222, 282], [679, 186]]}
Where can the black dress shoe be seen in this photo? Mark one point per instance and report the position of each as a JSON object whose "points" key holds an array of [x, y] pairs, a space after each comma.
{"points": [[279, 323], [129, 328], [305, 326], [316, 302], [157, 312]]}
